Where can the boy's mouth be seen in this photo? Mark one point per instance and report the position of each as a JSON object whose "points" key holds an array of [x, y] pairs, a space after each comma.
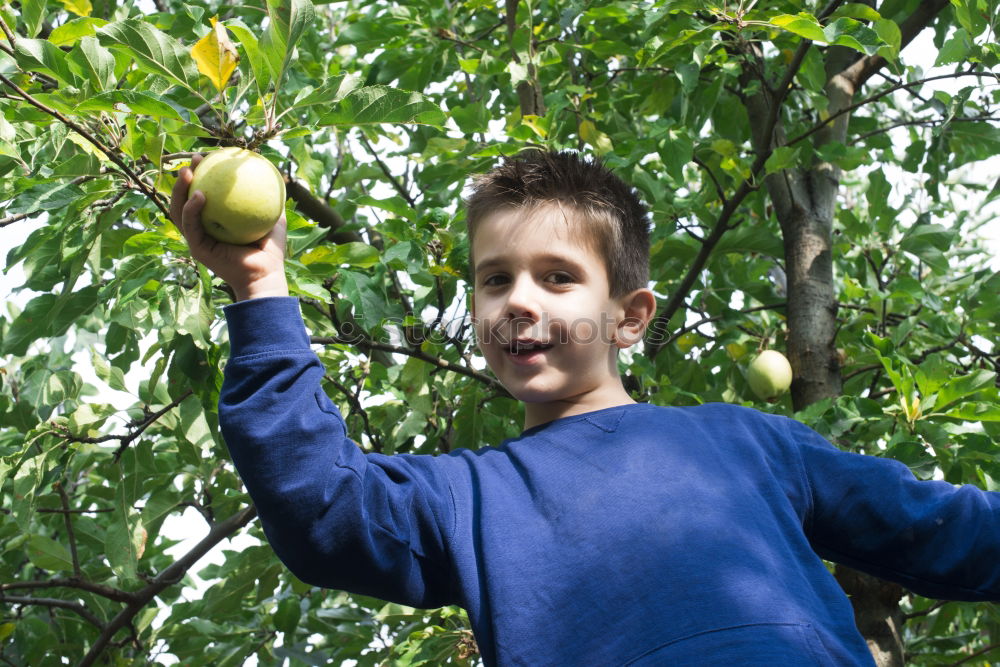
{"points": [[525, 350]]}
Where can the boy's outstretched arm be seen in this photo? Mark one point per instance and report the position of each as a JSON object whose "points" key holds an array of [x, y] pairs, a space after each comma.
{"points": [[371, 524], [870, 513]]}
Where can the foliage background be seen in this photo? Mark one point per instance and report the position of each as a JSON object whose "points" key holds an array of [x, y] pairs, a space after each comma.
{"points": [[726, 117]]}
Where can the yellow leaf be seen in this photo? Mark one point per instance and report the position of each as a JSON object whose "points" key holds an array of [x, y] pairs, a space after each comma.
{"points": [[600, 141], [532, 122], [216, 55], [78, 7]]}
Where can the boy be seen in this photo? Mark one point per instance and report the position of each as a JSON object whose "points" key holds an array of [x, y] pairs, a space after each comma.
{"points": [[609, 532]]}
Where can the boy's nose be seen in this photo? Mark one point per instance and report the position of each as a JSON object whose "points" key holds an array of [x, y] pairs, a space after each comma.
{"points": [[522, 302]]}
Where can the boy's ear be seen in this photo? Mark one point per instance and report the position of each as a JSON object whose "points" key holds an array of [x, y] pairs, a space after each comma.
{"points": [[639, 309]]}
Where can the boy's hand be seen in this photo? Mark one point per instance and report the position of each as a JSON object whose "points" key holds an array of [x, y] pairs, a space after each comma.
{"points": [[253, 270]]}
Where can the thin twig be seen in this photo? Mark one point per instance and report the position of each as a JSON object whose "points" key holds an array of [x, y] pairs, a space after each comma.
{"points": [[975, 654], [124, 440], [388, 174], [7, 31], [70, 535], [53, 602], [848, 109], [929, 122], [367, 344], [707, 320], [14, 218], [711, 175], [97, 589]]}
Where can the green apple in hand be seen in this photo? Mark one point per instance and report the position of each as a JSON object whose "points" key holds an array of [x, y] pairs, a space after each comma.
{"points": [[244, 195], [769, 375]]}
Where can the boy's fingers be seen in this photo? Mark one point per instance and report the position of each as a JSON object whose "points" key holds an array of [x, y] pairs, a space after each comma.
{"points": [[191, 220], [179, 194]]}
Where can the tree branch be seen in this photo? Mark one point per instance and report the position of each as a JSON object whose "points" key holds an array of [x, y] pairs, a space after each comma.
{"points": [[168, 577], [70, 535], [318, 210], [848, 109], [657, 330], [97, 589], [718, 187], [928, 122], [14, 218], [54, 602], [146, 190], [7, 31], [707, 320], [124, 440], [369, 345], [388, 174]]}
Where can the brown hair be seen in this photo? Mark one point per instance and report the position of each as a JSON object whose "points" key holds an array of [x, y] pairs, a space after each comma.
{"points": [[614, 218]]}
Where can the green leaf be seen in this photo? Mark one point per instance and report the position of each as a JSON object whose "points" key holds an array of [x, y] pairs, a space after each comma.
{"points": [[129, 100], [124, 543], [964, 386], [287, 615], [112, 375], [376, 105], [33, 15], [93, 62], [46, 553], [980, 412], [288, 20], [856, 10], [333, 90], [853, 34], [955, 50], [368, 298], [47, 316], [395, 205], [258, 64], [803, 25], [39, 55], [71, 32], [782, 157], [357, 254], [889, 33], [154, 51]]}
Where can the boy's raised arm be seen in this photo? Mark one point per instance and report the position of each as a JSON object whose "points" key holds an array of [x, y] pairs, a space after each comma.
{"points": [[371, 524]]}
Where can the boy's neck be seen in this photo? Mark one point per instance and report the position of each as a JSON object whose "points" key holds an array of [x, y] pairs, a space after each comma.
{"points": [[536, 414]]}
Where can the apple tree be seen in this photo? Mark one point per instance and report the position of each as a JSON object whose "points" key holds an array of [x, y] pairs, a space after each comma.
{"points": [[821, 177]]}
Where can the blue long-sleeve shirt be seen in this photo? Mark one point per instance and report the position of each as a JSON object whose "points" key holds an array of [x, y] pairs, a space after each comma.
{"points": [[636, 535]]}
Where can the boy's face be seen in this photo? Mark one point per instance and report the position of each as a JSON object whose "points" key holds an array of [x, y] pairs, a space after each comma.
{"points": [[543, 314]]}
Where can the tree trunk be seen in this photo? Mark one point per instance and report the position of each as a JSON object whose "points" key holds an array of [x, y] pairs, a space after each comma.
{"points": [[812, 308], [876, 613]]}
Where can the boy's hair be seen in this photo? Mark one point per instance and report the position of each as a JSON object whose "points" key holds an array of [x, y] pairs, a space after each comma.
{"points": [[615, 220]]}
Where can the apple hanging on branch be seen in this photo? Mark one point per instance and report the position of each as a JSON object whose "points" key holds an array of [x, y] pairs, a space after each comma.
{"points": [[769, 375]]}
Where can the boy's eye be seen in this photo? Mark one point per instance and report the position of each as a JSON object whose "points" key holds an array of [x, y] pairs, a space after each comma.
{"points": [[559, 278], [494, 280]]}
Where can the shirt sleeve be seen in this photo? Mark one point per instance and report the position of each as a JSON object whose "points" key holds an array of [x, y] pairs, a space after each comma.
{"points": [[337, 517], [869, 513]]}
